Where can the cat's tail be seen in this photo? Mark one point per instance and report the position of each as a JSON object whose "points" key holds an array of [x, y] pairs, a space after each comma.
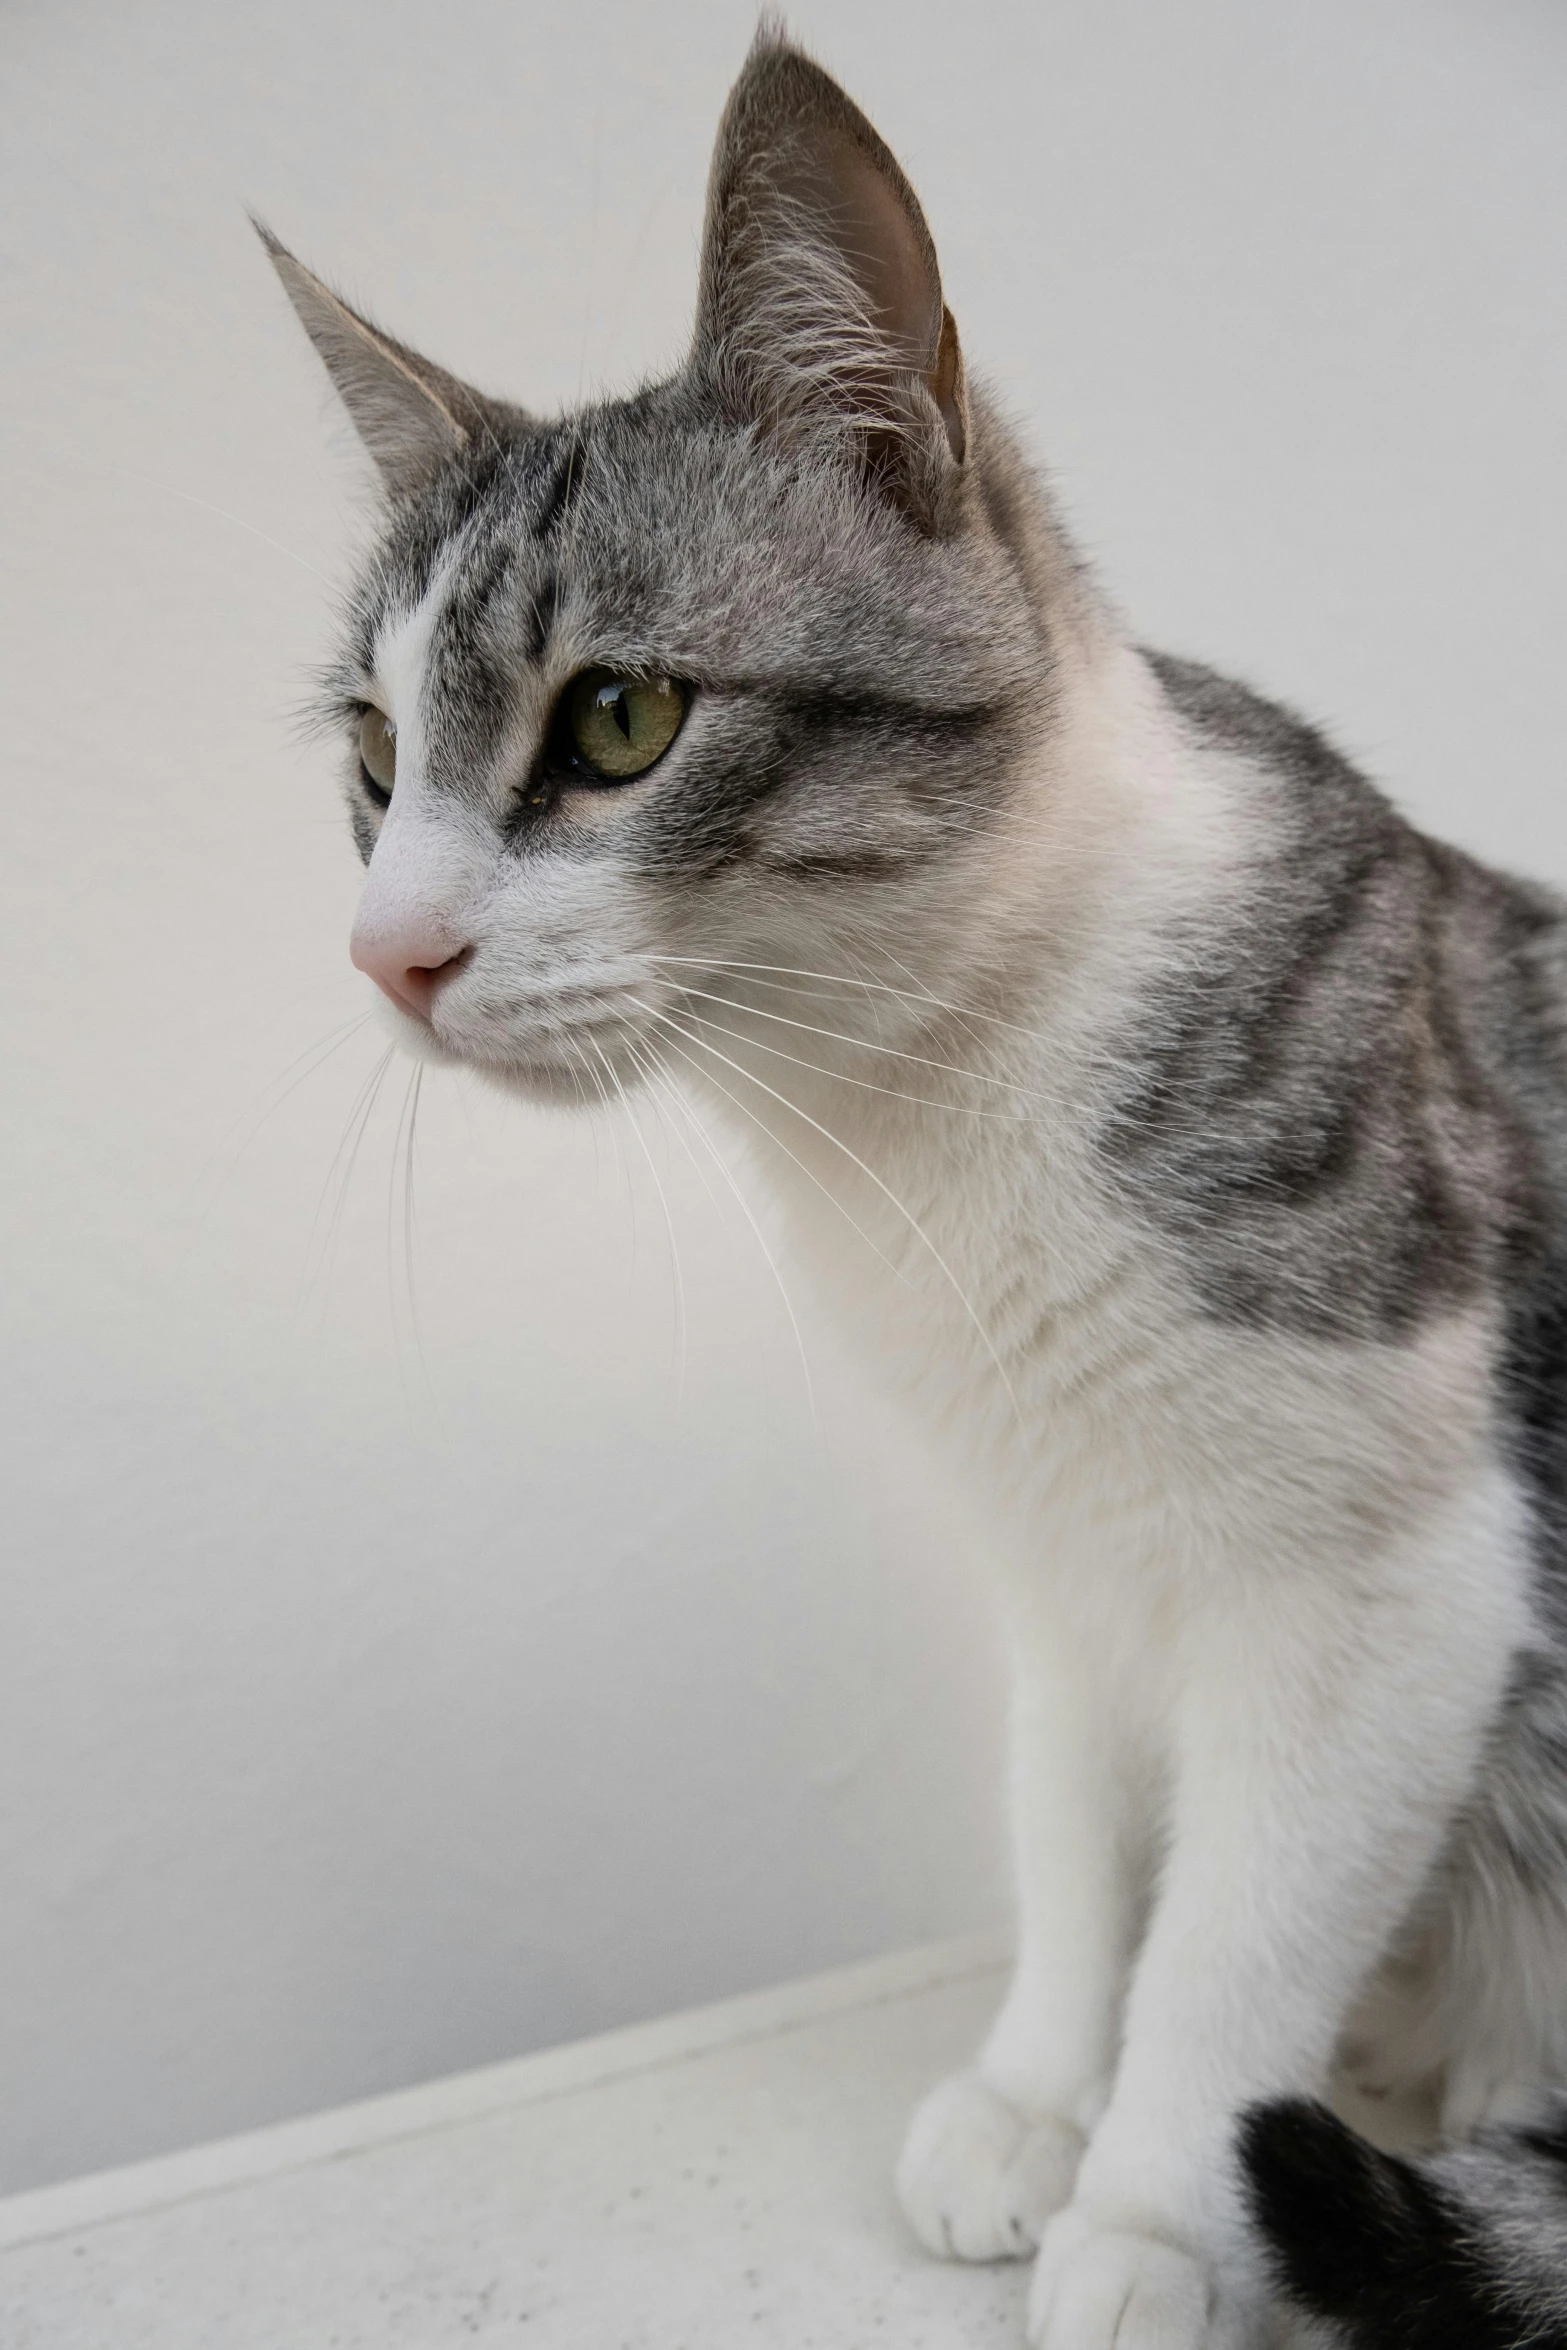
{"points": [[1461, 2251]]}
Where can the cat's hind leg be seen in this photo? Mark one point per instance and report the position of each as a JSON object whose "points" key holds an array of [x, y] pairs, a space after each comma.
{"points": [[1464, 2025]]}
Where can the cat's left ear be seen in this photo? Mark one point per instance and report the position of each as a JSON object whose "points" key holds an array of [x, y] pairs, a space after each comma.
{"points": [[820, 308], [412, 416]]}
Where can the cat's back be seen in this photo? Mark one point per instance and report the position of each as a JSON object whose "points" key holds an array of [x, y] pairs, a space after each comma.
{"points": [[1348, 1090]]}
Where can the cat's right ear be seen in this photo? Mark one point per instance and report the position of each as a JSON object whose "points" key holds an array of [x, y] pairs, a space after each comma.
{"points": [[820, 312], [412, 416]]}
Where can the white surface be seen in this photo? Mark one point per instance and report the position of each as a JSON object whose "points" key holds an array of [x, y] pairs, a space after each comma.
{"points": [[366, 1713], [715, 2178]]}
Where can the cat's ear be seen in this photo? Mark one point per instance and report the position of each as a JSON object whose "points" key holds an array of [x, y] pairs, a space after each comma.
{"points": [[411, 415], [820, 305]]}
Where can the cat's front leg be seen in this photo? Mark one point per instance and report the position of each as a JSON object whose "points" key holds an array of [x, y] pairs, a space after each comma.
{"points": [[1325, 1740], [993, 2151]]}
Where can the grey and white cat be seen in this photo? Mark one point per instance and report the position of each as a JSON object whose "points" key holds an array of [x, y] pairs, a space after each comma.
{"points": [[763, 734]]}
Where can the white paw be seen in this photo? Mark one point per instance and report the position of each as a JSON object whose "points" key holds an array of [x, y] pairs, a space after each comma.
{"points": [[978, 2179], [1099, 2288]]}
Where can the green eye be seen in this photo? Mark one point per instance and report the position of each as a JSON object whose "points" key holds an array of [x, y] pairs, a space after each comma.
{"points": [[378, 750], [617, 726]]}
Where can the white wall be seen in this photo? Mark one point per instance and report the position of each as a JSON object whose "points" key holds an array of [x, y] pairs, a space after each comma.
{"points": [[371, 1710]]}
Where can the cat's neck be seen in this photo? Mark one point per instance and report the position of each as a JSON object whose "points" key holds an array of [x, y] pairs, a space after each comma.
{"points": [[926, 1113], [998, 1000]]}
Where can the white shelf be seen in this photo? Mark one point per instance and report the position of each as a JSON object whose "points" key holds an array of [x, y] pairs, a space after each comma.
{"points": [[707, 2182]]}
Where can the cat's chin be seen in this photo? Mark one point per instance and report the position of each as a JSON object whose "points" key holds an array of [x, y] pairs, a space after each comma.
{"points": [[551, 1084]]}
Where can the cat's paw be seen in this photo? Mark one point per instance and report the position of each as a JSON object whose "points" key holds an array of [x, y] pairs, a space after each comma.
{"points": [[977, 2179], [1108, 2288]]}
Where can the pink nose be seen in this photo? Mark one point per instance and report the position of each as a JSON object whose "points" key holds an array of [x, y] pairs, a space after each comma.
{"points": [[407, 962]]}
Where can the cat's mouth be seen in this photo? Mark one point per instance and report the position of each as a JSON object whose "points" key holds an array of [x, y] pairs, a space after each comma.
{"points": [[585, 1068], [576, 1056]]}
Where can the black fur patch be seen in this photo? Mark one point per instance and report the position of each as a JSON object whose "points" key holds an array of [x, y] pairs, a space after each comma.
{"points": [[1373, 2246]]}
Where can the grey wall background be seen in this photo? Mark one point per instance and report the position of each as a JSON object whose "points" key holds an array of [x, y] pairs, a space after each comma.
{"points": [[376, 1703]]}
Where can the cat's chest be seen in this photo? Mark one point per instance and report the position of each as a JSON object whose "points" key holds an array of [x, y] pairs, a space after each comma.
{"points": [[993, 1287], [1052, 1348]]}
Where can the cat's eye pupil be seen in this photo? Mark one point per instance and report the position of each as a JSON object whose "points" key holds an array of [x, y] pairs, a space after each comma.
{"points": [[613, 728]]}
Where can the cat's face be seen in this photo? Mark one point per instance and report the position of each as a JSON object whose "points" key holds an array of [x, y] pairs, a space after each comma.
{"points": [[735, 673], [824, 715]]}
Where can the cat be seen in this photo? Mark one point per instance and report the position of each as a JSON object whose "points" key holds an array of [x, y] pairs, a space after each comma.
{"points": [[1180, 1136]]}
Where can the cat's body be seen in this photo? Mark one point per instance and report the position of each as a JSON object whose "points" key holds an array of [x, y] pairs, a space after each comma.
{"points": [[1181, 1135]]}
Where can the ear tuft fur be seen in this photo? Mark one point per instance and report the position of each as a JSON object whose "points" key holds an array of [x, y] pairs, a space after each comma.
{"points": [[821, 313], [412, 416]]}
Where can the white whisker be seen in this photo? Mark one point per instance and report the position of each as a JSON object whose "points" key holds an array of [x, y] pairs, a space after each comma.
{"points": [[402, 1162], [727, 1172], [870, 1173], [321, 1262], [409, 1162], [898, 964], [622, 1172], [845, 979], [316, 1055], [862, 1044], [669, 1221], [652, 1069], [810, 1174]]}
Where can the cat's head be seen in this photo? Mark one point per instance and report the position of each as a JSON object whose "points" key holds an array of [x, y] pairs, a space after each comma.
{"points": [[738, 672]]}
